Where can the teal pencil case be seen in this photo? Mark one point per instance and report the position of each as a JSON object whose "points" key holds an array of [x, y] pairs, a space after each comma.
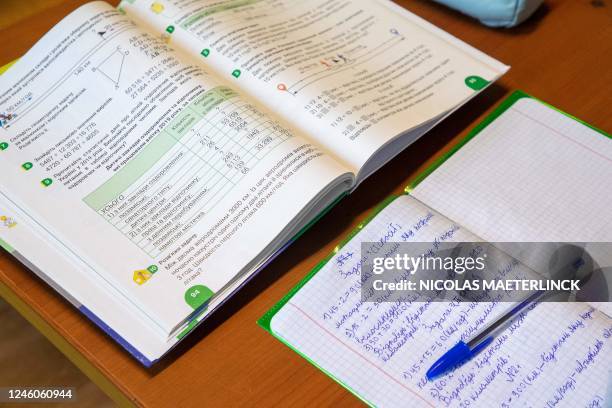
{"points": [[496, 13]]}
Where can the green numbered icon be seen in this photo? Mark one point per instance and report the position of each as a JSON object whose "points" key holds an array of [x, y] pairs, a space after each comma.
{"points": [[205, 52], [46, 182], [153, 268], [3, 145], [236, 73], [475, 82], [170, 29], [27, 166], [198, 295]]}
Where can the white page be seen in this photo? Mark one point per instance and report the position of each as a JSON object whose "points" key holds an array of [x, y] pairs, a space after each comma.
{"points": [[152, 162], [60, 271], [382, 351], [532, 175], [351, 75]]}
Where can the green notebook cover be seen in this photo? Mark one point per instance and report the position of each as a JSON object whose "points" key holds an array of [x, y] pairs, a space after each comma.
{"points": [[266, 319]]}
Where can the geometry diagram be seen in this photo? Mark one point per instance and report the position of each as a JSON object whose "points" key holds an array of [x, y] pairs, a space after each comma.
{"points": [[111, 67]]}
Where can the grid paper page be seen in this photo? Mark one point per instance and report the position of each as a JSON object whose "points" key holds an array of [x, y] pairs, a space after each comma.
{"points": [[532, 175], [554, 355]]}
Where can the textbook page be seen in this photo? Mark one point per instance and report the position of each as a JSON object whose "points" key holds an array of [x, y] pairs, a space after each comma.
{"points": [[554, 353], [102, 304], [162, 181], [532, 175], [351, 75]]}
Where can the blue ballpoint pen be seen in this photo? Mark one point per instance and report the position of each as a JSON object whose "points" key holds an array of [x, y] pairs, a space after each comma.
{"points": [[463, 352]]}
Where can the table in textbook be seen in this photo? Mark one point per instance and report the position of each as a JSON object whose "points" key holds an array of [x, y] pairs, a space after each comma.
{"points": [[561, 55]]}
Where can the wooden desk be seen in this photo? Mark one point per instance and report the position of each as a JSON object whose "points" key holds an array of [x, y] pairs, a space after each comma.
{"points": [[563, 55]]}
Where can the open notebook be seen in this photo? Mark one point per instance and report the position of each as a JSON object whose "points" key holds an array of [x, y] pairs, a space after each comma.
{"points": [[528, 173]]}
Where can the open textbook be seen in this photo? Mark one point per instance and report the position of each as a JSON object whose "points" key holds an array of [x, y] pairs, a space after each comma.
{"points": [[527, 174], [155, 156]]}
